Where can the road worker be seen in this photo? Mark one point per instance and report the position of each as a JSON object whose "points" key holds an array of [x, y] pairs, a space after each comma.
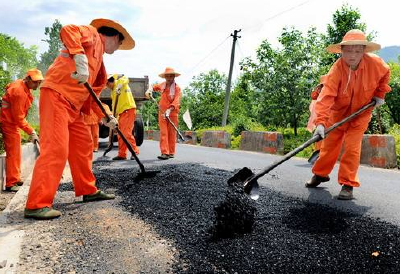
{"points": [[310, 125], [168, 108], [92, 122], [15, 104], [124, 108], [354, 80], [63, 100]]}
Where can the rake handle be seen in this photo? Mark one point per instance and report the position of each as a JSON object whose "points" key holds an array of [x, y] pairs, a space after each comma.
{"points": [[100, 105]]}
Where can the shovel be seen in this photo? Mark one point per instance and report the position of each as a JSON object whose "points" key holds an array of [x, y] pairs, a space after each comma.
{"points": [[184, 139], [249, 179], [143, 173]]}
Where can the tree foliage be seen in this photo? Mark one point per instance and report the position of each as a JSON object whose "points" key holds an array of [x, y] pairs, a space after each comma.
{"points": [[17, 57], [284, 77], [205, 99], [55, 44], [393, 98]]}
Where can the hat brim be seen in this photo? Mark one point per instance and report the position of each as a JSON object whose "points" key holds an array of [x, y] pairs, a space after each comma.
{"points": [[128, 42], [162, 75], [369, 46]]}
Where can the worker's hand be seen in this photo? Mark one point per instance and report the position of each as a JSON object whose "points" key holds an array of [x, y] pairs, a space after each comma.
{"points": [[378, 101], [33, 137], [320, 130], [82, 68], [167, 112], [149, 93], [118, 90], [112, 123]]}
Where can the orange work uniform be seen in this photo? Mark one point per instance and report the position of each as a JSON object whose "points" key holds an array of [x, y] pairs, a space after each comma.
{"points": [[346, 91], [92, 122], [14, 108], [167, 131], [64, 135]]}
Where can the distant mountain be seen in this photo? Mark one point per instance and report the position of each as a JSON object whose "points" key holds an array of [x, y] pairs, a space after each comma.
{"points": [[390, 53]]}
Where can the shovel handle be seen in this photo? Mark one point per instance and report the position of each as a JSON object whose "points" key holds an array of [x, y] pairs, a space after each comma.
{"points": [[314, 139], [100, 105]]}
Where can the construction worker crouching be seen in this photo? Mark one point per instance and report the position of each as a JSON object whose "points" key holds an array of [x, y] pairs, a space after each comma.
{"points": [[168, 111], [124, 108], [15, 104], [63, 101], [354, 80]]}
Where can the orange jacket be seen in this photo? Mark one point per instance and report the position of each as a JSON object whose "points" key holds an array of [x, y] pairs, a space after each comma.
{"points": [[78, 40], [15, 105], [346, 91], [166, 101]]}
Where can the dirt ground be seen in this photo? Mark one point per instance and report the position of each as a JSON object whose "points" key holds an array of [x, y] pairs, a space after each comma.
{"points": [[5, 198]]}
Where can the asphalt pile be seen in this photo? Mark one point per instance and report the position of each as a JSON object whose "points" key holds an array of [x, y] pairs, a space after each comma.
{"points": [[187, 204]]}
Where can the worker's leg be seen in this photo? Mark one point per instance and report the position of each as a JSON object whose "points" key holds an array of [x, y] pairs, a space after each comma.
{"points": [[12, 146], [350, 160], [172, 134], [329, 153], [55, 114], [80, 157], [126, 124], [163, 124]]}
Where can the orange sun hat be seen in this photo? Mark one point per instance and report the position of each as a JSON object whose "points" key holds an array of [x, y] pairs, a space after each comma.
{"points": [[354, 37], [169, 70], [127, 43], [35, 74]]}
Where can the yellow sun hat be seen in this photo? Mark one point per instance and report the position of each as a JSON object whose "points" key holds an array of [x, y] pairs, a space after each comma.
{"points": [[354, 37], [127, 43]]}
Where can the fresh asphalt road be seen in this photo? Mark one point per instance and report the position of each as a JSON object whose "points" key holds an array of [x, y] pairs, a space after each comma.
{"points": [[377, 197]]}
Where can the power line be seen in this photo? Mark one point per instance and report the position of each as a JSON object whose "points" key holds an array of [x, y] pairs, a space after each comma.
{"points": [[208, 55]]}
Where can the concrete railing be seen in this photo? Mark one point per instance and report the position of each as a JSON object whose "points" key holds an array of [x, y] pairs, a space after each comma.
{"points": [[29, 154], [378, 151], [216, 138], [152, 135], [262, 141]]}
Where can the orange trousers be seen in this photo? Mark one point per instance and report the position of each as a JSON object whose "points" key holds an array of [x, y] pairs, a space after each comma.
{"points": [[63, 136], [167, 134], [94, 130], [12, 145], [330, 150], [126, 122]]}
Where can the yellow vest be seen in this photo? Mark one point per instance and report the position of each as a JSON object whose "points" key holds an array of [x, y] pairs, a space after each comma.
{"points": [[125, 99]]}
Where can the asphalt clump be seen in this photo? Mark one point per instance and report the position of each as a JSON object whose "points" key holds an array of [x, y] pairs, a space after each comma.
{"points": [[288, 235]]}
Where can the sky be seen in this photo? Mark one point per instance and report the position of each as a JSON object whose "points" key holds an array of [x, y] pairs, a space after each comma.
{"points": [[192, 37]]}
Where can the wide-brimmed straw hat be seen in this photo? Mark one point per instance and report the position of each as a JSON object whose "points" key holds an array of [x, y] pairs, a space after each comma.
{"points": [[127, 43], [35, 74], [169, 71], [354, 37]]}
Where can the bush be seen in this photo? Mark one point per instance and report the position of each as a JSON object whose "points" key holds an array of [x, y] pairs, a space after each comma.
{"points": [[395, 131]]}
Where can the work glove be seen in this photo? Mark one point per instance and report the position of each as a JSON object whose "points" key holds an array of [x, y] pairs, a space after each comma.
{"points": [[33, 137], [167, 112], [118, 90], [112, 123], [82, 68], [378, 101], [320, 130], [149, 93]]}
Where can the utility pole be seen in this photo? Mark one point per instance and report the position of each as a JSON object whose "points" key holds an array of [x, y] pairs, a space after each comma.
{"points": [[228, 85]]}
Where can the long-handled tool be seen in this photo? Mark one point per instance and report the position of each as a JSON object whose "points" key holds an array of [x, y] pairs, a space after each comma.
{"points": [[143, 173], [184, 139], [111, 133], [37, 146], [249, 179]]}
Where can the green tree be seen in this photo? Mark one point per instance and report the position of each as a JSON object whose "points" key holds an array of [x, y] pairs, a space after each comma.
{"points": [[17, 57], [55, 44], [204, 97], [284, 77], [393, 98]]}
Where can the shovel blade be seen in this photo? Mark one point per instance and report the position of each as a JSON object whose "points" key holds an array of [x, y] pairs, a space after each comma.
{"points": [[314, 157], [245, 178], [147, 174]]}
